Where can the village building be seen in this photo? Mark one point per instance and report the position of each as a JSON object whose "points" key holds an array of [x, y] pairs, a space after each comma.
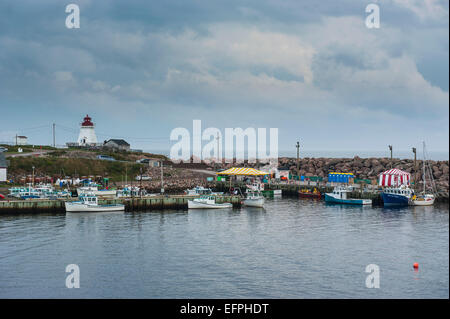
{"points": [[3, 168], [21, 140], [117, 144]]}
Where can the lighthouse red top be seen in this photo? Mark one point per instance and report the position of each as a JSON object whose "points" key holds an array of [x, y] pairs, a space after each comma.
{"points": [[87, 121]]}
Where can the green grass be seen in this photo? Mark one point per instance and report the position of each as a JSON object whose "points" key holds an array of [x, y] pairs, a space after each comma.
{"points": [[119, 155], [26, 148], [50, 166]]}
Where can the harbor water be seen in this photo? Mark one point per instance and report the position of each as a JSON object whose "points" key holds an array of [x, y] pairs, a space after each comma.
{"points": [[290, 249]]}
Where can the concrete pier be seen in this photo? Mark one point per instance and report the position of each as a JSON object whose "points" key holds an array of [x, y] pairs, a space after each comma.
{"points": [[131, 204]]}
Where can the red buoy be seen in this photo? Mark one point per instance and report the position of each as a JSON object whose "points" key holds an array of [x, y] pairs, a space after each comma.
{"points": [[416, 265]]}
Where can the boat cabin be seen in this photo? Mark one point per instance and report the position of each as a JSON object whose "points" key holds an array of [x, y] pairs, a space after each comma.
{"points": [[340, 192], [89, 199], [405, 191]]}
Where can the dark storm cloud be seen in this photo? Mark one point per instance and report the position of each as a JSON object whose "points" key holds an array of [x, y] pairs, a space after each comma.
{"points": [[308, 61]]}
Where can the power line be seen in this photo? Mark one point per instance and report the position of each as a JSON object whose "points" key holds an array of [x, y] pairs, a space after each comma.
{"points": [[72, 130]]}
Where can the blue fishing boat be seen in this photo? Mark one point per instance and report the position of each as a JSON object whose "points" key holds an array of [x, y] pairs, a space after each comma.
{"points": [[396, 191], [397, 196], [339, 196]]}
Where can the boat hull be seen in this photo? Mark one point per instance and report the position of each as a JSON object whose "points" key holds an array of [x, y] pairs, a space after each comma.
{"points": [[423, 202], [254, 202], [309, 195], [199, 205], [272, 193], [349, 201], [394, 200], [80, 207]]}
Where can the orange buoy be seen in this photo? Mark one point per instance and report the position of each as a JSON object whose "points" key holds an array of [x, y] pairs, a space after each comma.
{"points": [[416, 265]]}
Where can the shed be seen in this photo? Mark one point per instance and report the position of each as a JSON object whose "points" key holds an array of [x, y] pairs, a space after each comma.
{"points": [[3, 167], [117, 144]]}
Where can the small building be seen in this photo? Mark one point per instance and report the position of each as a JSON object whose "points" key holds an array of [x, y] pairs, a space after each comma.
{"points": [[338, 177], [154, 162], [21, 140], [117, 144], [283, 173], [3, 167]]}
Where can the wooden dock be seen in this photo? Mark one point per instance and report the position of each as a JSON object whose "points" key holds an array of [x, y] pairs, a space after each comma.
{"points": [[148, 203]]}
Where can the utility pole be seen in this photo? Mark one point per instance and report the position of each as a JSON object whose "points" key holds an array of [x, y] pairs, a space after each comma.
{"points": [[131, 187], [415, 166], [162, 178], [140, 183], [298, 155], [32, 180], [390, 148], [16, 139], [54, 140], [218, 150]]}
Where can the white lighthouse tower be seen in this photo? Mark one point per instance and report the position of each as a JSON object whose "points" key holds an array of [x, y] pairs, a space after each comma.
{"points": [[87, 135]]}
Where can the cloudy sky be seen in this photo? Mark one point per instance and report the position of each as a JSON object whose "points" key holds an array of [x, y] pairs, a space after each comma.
{"points": [[312, 69]]}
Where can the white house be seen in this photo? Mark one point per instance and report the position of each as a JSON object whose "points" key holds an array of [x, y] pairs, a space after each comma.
{"points": [[21, 140], [3, 167]]}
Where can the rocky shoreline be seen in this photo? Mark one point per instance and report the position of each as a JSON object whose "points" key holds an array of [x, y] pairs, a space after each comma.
{"points": [[178, 177], [362, 168], [368, 168]]}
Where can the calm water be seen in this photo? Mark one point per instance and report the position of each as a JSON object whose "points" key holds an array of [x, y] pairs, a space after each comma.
{"points": [[291, 249]]}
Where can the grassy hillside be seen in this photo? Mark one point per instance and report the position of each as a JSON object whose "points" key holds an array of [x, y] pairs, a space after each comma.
{"points": [[52, 166]]}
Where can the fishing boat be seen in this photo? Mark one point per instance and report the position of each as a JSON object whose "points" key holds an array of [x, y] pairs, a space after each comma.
{"points": [[306, 193], [132, 191], [397, 192], [397, 196], [272, 193], [254, 196], [207, 201], [339, 196], [199, 190], [41, 191], [89, 203], [254, 199], [425, 198], [277, 192], [93, 189]]}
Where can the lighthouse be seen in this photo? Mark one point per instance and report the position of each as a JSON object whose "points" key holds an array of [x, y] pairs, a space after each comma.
{"points": [[87, 135]]}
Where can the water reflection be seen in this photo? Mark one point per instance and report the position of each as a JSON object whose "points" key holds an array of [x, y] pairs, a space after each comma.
{"points": [[290, 249]]}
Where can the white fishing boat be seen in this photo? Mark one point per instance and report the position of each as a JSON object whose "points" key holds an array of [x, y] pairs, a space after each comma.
{"points": [[207, 201], [339, 196], [40, 191], [425, 198], [93, 189], [22, 192], [132, 191], [89, 203], [254, 199], [199, 190], [254, 196]]}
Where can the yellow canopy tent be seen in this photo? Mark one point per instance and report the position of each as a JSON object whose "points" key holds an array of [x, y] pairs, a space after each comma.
{"points": [[242, 171], [247, 171]]}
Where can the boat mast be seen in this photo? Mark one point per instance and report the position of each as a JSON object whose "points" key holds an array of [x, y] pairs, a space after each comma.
{"points": [[427, 170], [423, 168]]}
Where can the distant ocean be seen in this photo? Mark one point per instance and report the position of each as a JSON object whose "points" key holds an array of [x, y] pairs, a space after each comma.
{"points": [[436, 156]]}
